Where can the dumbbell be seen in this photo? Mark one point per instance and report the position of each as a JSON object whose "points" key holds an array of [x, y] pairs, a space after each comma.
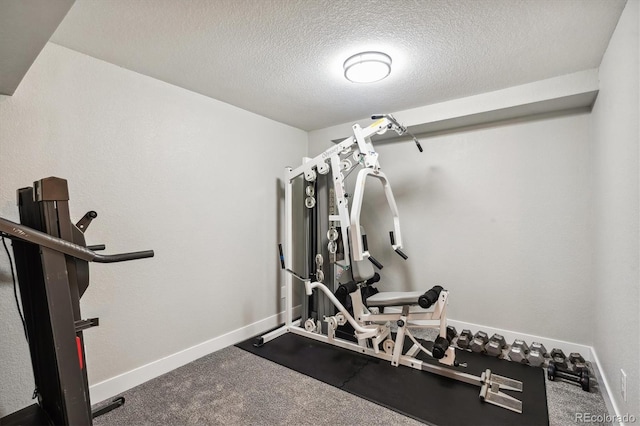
{"points": [[495, 345], [480, 339], [537, 354], [578, 361], [580, 377], [519, 351], [559, 358], [464, 339], [452, 333]]}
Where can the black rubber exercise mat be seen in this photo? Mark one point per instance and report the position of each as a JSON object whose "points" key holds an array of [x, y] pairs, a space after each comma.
{"points": [[423, 396]]}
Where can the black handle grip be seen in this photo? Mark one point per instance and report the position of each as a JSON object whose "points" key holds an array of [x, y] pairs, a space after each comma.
{"points": [[418, 144], [365, 244], [375, 262], [281, 256], [97, 247], [402, 255], [393, 238], [123, 257], [376, 117]]}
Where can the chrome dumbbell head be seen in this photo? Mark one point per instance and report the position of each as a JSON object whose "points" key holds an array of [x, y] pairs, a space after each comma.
{"points": [[495, 345], [464, 340], [518, 351], [537, 354], [559, 358], [452, 333], [480, 339]]}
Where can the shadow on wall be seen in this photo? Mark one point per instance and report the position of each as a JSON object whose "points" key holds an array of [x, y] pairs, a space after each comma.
{"points": [[5, 276]]}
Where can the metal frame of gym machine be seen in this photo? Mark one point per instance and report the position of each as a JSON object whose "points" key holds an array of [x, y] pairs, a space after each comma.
{"points": [[51, 258], [324, 316]]}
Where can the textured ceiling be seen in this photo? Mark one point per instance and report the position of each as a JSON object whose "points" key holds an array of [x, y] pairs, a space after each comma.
{"points": [[283, 58]]}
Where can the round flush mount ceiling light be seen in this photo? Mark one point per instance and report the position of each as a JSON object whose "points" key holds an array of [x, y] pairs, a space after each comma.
{"points": [[367, 67]]}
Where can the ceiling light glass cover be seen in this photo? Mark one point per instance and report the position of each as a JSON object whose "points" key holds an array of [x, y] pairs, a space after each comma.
{"points": [[367, 67]]}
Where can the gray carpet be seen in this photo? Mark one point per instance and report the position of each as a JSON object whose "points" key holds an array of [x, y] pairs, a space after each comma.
{"points": [[234, 387]]}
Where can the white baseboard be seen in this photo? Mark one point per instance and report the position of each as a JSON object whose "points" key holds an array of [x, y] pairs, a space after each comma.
{"points": [[118, 384], [605, 388]]}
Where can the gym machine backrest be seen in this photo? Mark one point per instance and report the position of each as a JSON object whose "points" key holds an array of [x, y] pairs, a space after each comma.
{"points": [[51, 259]]}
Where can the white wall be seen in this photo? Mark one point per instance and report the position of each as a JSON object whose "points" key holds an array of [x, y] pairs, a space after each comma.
{"points": [[166, 169], [616, 213]]}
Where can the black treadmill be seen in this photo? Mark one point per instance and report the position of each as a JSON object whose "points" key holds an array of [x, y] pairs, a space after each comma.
{"points": [[51, 259]]}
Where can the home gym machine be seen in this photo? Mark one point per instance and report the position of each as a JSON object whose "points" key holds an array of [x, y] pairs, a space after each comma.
{"points": [[340, 306], [51, 258]]}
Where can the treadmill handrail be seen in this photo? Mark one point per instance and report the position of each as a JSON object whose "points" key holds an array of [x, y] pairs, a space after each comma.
{"points": [[122, 257], [34, 236]]}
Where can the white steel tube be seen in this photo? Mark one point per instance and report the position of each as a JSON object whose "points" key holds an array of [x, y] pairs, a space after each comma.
{"points": [[357, 249], [337, 304]]}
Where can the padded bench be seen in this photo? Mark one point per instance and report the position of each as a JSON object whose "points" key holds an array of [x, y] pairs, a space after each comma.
{"points": [[394, 298]]}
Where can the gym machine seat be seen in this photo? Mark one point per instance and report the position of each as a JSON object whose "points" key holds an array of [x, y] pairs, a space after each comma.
{"points": [[393, 298]]}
